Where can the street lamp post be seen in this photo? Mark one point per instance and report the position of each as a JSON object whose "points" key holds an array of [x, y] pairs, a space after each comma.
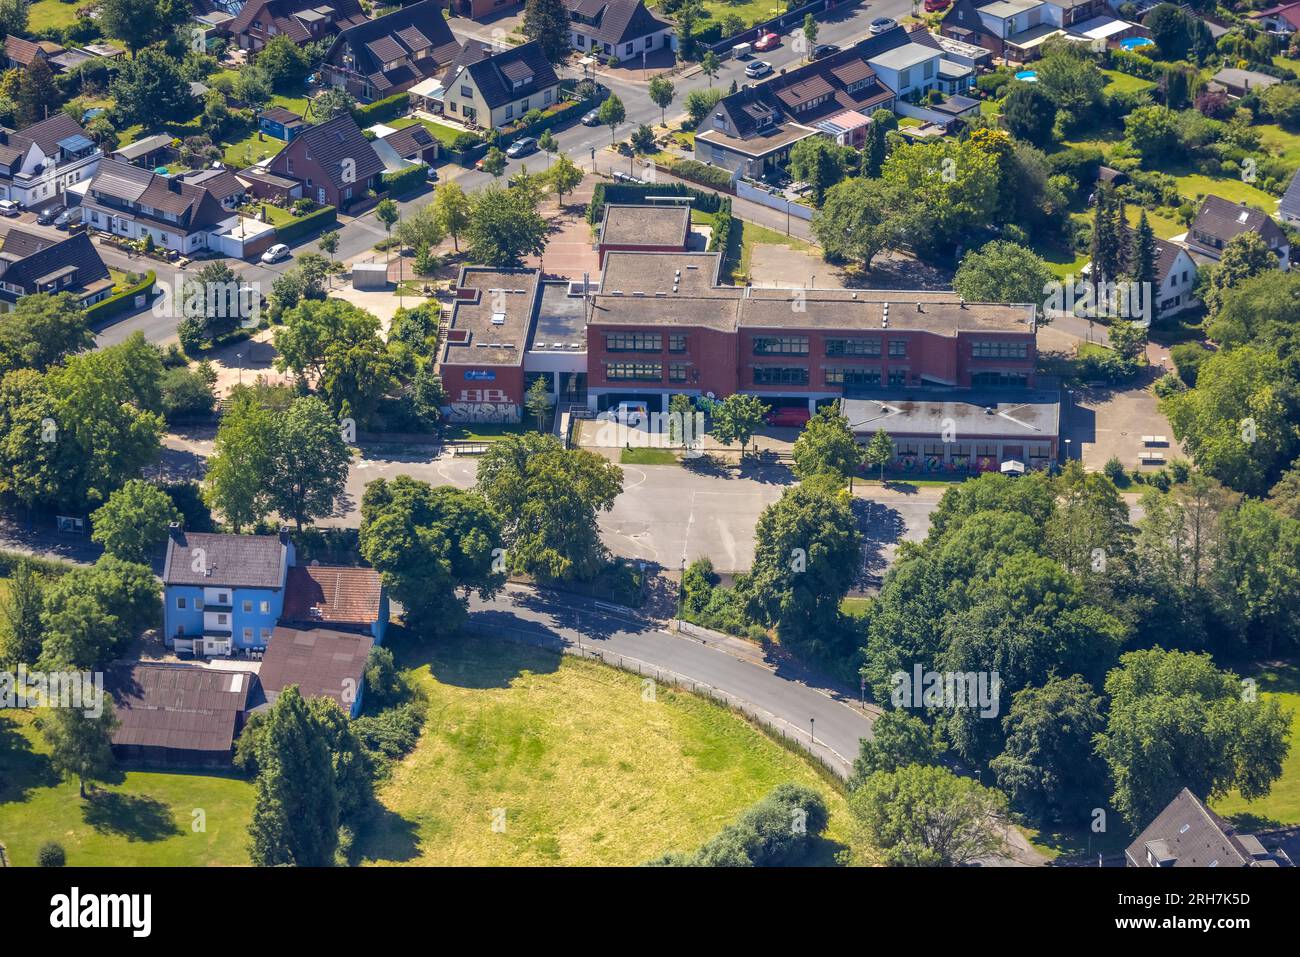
{"points": [[812, 726], [681, 591]]}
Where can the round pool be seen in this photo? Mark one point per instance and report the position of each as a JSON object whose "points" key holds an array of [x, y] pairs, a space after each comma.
{"points": [[1029, 76], [1136, 43]]}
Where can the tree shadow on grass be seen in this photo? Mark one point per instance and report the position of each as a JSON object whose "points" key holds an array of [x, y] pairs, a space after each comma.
{"points": [[137, 817], [22, 770], [389, 838], [1249, 823], [477, 660]]}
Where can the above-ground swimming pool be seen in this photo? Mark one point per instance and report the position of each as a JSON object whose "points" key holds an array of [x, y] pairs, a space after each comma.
{"points": [[1029, 76], [1134, 43]]}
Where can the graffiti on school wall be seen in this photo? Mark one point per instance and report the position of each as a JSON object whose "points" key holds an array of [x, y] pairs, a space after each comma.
{"points": [[483, 405]]}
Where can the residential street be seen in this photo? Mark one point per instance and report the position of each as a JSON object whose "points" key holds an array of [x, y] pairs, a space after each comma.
{"points": [[584, 145]]}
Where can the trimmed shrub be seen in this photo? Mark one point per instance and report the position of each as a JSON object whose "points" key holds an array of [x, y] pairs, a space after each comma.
{"points": [[712, 176], [51, 854], [389, 108], [406, 181], [321, 218], [120, 301]]}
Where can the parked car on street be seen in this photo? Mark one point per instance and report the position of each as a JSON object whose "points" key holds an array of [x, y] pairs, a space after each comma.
{"points": [[522, 147], [793, 417], [276, 253], [768, 41], [757, 68], [591, 118], [934, 6], [824, 50], [881, 24]]}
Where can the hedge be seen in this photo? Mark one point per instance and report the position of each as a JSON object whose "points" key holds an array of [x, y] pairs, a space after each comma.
{"points": [[389, 108], [316, 219], [722, 223], [46, 566], [636, 193], [712, 176], [407, 180], [120, 301]]}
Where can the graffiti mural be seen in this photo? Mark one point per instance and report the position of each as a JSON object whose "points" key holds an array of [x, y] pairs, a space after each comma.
{"points": [[482, 412]]}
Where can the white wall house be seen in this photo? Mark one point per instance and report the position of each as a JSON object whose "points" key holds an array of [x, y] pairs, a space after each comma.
{"points": [[39, 163], [1008, 18], [623, 29], [909, 69]]}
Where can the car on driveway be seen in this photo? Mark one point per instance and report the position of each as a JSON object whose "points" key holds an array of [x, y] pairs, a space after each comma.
{"points": [[881, 24], [757, 68], [522, 147], [934, 6], [48, 215], [276, 253], [768, 41], [822, 50], [591, 118], [9, 208], [66, 218]]}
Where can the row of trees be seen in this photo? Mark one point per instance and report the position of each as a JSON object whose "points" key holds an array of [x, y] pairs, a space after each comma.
{"points": [[1044, 582], [1237, 410]]}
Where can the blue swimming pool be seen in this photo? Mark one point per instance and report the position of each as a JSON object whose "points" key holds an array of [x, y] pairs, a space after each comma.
{"points": [[1135, 43], [1029, 76]]}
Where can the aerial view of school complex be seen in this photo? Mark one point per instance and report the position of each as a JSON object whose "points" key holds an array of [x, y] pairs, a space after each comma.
{"points": [[648, 434]]}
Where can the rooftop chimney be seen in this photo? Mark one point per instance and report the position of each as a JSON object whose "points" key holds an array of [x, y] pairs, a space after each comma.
{"points": [[174, 531], [284, 534]]}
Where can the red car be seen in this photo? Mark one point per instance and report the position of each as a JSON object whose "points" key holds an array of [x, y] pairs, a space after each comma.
{"points": [[794, 418], [934, 6], [767, 41]]}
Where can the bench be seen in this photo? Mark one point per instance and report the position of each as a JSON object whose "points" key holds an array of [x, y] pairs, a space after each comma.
{"points": [[1155, 440], [1151, 458]]}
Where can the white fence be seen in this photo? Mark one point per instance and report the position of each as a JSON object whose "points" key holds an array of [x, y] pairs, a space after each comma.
{"points": [[756, 194]]}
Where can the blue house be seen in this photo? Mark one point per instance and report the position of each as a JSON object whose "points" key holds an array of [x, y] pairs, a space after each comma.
{"points": [[225, 594], [281, 123]]}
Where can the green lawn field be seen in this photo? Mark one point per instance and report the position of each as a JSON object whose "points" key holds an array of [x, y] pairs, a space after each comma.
{"points": [[1282, 804], [582, 763], [139, 819]]}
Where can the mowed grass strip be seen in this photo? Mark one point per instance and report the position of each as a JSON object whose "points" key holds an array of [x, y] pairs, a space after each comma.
{"points": [[140, 819], [580, 767]]}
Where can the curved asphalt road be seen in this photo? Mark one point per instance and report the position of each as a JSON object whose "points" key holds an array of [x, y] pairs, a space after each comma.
{"points": [[730, 669]]}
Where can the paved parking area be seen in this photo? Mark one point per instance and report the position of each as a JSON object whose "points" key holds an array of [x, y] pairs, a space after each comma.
{"points": [[1106, 423], [668, 513]]}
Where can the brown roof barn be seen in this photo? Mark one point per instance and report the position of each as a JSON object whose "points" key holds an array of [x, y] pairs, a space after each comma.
{"points": [[178, 714]]}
